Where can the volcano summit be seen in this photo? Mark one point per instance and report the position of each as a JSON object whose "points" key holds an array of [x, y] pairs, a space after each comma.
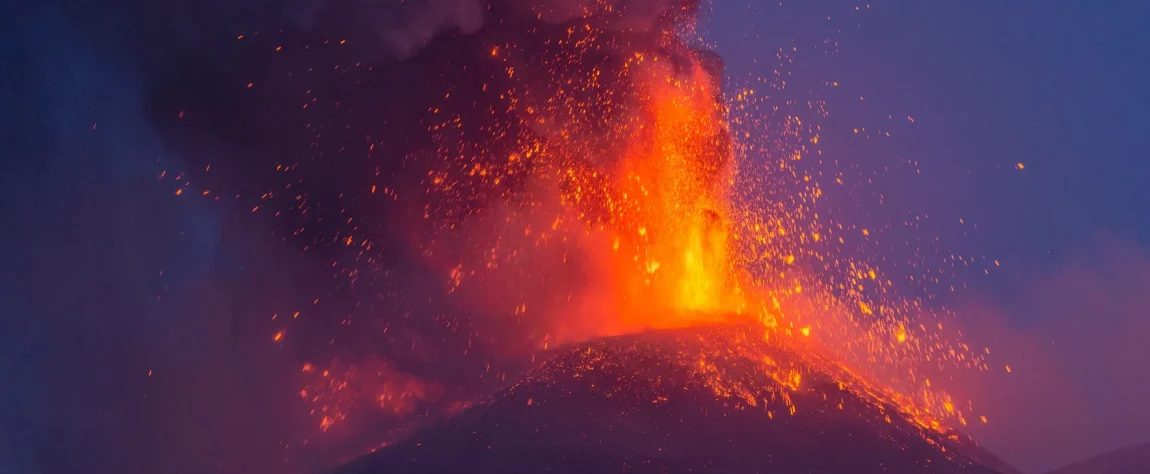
{"points": [[708, 399]]}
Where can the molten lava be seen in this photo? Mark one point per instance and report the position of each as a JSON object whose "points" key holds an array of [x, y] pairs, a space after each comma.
{"points": [[581, 178], [665, 202], [709, 399]]}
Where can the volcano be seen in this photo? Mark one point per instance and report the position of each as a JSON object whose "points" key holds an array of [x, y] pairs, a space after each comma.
{"points": [[707, 399]]}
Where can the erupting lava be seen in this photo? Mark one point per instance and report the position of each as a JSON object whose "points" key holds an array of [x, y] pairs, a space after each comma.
{"points": [[664, 204], [629, 150], [580, 177]]}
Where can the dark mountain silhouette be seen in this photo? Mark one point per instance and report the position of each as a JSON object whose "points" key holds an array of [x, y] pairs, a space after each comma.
{"points": [[1129, 460], [716, 399]]}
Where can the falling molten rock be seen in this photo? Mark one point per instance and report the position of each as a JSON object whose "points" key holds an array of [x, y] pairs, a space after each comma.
{"points": [[713, 399]]}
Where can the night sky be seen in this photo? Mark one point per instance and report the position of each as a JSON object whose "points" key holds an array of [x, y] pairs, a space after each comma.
{"points": [[133, 322]]}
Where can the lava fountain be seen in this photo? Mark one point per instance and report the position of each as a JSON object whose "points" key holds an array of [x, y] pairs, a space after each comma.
{"points": [[577, 176]]}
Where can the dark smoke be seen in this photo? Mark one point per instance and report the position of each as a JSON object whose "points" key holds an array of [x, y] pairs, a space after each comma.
{"points": [[137, 323]]}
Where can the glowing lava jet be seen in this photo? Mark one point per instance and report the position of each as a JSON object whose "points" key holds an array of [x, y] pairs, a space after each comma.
{"points": [[604, 143]]}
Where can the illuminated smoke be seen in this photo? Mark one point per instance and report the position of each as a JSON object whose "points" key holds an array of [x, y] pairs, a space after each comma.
{"points": [[415, 199]]}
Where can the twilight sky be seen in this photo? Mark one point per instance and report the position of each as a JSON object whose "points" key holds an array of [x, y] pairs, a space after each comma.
{"points": [[1059, 86], [105, 275]]}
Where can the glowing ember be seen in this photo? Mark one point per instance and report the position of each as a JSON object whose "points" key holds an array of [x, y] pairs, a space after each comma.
{"points": [[587, 177]]}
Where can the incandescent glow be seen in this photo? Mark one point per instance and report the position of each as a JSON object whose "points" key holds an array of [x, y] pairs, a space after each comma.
{"points": [[582, 179]]}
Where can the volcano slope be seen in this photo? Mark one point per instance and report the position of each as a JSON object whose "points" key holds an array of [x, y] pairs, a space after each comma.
{"points": [[714, 399]]}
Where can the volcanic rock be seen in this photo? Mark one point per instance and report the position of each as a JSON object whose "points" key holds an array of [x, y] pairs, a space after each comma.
{"points": [[717, 399]]}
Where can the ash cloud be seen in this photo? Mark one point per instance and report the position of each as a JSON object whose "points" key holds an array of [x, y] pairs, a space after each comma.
{"points": [[138, 322]]}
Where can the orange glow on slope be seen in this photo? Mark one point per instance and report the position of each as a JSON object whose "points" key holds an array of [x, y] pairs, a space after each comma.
{"points": [[634, 175]]}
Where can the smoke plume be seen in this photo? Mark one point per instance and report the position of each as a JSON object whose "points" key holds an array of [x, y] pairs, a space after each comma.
{"points": [[307, 227]]}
